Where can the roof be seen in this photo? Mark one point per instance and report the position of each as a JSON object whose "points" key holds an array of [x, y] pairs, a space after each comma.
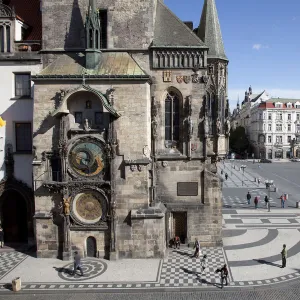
{"points": [[209, 30], [117, 64], [255, 97], [29, 12], [170, 31], [271, 103]]}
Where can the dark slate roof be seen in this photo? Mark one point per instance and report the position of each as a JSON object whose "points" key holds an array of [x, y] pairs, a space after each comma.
{"points": [[170, 31], [209, 30], [114, 64], [257, 97]]}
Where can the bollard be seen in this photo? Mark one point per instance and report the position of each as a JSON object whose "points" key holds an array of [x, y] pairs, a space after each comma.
{"points": [[297, 204], [16, 284]]}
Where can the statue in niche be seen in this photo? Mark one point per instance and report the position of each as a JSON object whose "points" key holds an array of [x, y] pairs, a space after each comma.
{"points": [[154, 125], [34, 152], [67, 206], [206, 127], [218, 125], [88, 104], [227, 127], [114, 146], [86, 125]]}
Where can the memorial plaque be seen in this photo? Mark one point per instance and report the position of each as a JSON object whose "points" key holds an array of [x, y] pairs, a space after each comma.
{"points": [[187, 188]]}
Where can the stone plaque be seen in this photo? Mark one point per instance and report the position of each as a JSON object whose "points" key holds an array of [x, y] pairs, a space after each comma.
{"points": [[187, 188]]}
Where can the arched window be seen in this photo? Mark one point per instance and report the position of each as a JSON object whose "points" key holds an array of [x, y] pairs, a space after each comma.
{"points": [[222, 110], [172, 117], [211, 111], [97, 39]]}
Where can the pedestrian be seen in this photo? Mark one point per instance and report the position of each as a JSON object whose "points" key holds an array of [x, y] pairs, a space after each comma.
{"points": [[176, 242], [266, 200], [1, 237], [77, 264], [226, 176], [223, 275], [248, 197], [256, 202], [282, 200], [221, 172], [203, 263], [284, 256], [258, 180], [197, 248]]}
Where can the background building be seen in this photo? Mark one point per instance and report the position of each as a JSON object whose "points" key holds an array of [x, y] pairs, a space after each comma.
{"points": [[126, 158], [20, 41]]}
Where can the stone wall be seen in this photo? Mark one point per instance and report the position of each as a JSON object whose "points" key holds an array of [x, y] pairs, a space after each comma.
{"points": [[138, 16]]}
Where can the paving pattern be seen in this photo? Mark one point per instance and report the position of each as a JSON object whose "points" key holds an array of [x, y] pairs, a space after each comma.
{"points": [[9, 260]]}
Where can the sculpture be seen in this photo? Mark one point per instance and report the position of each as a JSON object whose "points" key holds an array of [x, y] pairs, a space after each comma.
{"points": [[218, 124], [86, 125], [206, 127], [67, 205], [154, 128], [190, 127], [227, 127]]}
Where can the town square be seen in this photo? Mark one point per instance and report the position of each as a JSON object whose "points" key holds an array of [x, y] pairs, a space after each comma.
{"points": [[149, 149]]}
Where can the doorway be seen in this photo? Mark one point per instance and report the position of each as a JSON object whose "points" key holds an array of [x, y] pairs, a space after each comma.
{"points": [[14, 218], [91, 247], [180, 225]]}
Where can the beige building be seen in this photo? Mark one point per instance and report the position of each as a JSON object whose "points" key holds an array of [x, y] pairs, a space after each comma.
{"points": [[129, 121]]}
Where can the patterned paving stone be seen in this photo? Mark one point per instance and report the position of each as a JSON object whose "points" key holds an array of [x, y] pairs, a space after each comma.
{"points": [[9, 260]]}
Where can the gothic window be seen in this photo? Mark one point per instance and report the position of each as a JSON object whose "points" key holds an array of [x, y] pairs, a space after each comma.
{"points": [[222, 109], [91, 38], [22, 85], [78, 117], [103, 26], [98, 118], [5, 37], [172, 117], [211, 111], [55, 163]]}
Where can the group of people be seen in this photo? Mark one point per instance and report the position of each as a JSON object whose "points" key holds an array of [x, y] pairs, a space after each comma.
{"points": [[256, 200]]}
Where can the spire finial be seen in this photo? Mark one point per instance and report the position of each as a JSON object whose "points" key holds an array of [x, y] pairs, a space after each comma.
{"points": [[209, 30]]}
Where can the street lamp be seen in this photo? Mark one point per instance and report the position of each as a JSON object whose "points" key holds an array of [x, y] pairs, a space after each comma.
{"points": [[243, 167], [268, 184]]}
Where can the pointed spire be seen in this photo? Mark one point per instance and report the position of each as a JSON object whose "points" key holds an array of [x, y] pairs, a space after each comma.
{"points": [[209, 30], [92, 7]]}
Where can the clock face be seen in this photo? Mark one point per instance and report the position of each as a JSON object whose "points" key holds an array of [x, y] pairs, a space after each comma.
{"points": [[87, 159]]}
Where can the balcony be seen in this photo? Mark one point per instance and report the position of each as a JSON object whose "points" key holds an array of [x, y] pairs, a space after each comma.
{"points": [[27, 46], [23, 50]]}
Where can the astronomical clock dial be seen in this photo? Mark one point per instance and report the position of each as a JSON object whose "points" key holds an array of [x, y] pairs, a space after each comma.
{"points": [[87, 159]]}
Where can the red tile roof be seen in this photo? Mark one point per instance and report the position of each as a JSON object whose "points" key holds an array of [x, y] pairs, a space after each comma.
{"points": [[29, 12]]}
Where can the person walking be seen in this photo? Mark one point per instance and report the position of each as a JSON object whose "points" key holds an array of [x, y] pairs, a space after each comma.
{"points": [[284, 256], [282, 200], [248, 197], [197, 248], [77, 264], [224, 275], [1, 237], [226, 176], [176, 242], [256, 202], [203, 263], [266, 200]]}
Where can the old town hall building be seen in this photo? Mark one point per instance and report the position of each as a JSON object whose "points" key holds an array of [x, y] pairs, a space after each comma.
{"points": [[130, 119]]}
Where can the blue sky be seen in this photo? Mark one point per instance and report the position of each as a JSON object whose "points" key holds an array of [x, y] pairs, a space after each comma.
{"points": [[262, 43]]}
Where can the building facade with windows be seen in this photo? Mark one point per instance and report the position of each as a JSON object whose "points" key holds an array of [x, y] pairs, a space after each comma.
{"points": [[130, 119], [20, 40], [275, 125]]}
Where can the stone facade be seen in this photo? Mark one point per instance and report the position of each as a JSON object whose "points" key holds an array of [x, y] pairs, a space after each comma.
{"points": [[116, 117]]}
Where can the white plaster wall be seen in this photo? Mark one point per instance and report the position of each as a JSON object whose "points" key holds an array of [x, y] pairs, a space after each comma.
{"points": [[15, 111], [18, 30]]}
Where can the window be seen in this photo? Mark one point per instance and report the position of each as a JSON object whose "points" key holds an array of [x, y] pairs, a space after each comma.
{"points": [[278, 127], [260, 116], [269, 116], [279, 116], [264, 127], [289, 117], [172, 117], [78, 117], [269, 139], [298, 116], [103, 26], [22, 85], [279, 139], [289, 139], [270, 127], [5, 37], [289, 127], [23, 137], [98, 118]]}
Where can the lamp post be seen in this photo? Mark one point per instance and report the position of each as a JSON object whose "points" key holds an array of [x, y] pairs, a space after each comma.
{"points": [[268, 184], [243, 167]]}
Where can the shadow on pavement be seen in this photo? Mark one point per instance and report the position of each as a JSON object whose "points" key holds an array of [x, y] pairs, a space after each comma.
{"points": [[182, 253], [64, 270], [8, 286], [265, 262]]}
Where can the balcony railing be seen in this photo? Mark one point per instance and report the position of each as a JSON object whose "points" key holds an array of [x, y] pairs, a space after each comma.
{"points": [[28, 46]]}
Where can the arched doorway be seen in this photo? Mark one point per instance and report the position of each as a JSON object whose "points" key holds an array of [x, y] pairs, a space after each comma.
{"points": [[91, 247], [14, 217]]}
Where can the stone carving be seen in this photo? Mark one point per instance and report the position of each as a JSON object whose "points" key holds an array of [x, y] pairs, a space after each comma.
{"points": [[189, 98], [139, 167], [187, 79], [63, 148], [164, 164], [133, 168], [218, 126], [86, 125], [190, 127], [146, 151], [205, 79], [67, 203], [179, 79], [6, 11], [88, 104], [167, 76], [211, 69], [227, 127], [34, 152], [110, 93], [196, 78], [154, 122]]}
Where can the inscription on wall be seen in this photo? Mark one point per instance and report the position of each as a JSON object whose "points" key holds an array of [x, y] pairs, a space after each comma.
{"points": [[187, 188]]}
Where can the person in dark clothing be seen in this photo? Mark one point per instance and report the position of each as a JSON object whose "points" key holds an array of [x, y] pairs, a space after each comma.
{"points": [[1, 237], [77, 264], [226, 176], [284, 255], [224, 275], [197, 250], [266, 200], [176, 242], [256, 201], [248, 197]]}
